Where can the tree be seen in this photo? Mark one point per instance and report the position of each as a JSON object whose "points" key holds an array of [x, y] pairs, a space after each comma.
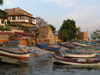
{"points": [[95, 34], [1, 2], [53, 28], [1, 28], [67, 30], [8, 28], [40, 21], [8, 22], [78, 30]]}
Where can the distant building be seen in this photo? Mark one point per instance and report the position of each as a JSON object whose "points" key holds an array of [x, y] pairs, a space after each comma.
{"points": [[20, 19], [3, 18], [83, 36]]}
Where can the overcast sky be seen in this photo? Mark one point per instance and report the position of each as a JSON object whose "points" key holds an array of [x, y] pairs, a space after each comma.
{"points": [[86, 13]]}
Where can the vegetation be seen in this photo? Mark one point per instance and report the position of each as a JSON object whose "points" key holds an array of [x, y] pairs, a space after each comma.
{"points": [[67, 30], [2, 28], [40, 21], [95, 34], [8, 28], [1, 2], [53, 28], [8, 22]]}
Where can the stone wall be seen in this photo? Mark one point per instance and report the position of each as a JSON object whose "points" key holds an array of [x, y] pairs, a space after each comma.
{"points": [[46, 35]]}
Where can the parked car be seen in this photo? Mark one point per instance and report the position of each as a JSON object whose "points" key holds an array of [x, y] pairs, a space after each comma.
{"points": [[11, 43]]}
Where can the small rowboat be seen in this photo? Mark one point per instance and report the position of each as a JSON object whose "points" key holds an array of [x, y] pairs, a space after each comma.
{"points": [[77, 62], [78, 54], [48, 47], [8, 53], [65, 45]]}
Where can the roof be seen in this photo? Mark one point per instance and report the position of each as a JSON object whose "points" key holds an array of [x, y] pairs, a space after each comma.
{"points": [[9, 33], [22, 33], [19, 14]]}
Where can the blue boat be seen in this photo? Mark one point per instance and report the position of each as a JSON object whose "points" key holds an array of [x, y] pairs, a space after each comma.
{"points": [[68, 46], [47, 47], [76, 52]]}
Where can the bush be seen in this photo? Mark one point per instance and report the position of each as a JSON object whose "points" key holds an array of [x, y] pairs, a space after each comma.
{"points": [[1, 28], [8, 28]]}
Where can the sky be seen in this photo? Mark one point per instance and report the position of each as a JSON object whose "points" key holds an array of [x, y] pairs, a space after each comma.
{"points": [[86, 13]]}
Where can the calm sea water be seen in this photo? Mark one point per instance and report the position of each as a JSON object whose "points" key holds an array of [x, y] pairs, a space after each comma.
{"points": [[43, 65]]}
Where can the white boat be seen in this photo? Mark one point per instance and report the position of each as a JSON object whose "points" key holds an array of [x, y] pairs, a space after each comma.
{"points": [[78, 55], [78, 62], [8, 53]]}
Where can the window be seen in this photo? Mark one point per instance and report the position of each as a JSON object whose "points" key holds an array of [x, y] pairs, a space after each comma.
{"points": [[13, 17]]}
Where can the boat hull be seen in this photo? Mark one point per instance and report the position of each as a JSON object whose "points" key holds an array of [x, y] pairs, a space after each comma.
{"points": [[21, 56], [48, 48], [68, 62]]}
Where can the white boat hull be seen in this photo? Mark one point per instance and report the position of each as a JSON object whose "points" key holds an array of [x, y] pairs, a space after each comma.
{"points": [[22, 56], [79, 55], [61, 60]]}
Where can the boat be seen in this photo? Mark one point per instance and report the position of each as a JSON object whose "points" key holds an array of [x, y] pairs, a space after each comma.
{"points": [[65, 45], [29, 50], [80, 45], [48, 47], [78, 54], [8, 53], [76, 62]]}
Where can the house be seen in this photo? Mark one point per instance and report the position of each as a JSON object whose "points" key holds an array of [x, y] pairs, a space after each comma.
{"points": [[6, 36], [25, 38], [20, 19], [83, 36], [3, 18]]}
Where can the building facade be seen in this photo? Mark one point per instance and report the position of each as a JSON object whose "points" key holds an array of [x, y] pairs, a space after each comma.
{"points": [[20, 18], [3, 18], [83, 36]]}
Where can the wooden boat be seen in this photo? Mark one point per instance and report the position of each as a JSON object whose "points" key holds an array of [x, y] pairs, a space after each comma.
{"points": [[48, 47], [77, 62], [8, 53], [68, 46], [78, 54], [29, 50], [81, 45]]}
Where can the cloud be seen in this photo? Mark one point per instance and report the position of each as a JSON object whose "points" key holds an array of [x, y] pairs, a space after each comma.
{"points": [[66, 3], [8, 3]]}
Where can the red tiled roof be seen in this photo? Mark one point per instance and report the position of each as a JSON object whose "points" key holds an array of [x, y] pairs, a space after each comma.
{"points": [[22, 33], [7, 33]]}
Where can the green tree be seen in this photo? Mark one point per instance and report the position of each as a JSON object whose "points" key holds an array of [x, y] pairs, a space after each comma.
{"points": [[95, 34], [8, 22], [1, 2], [67, 30], [8, 28], [78, 30], [1, 28], [53, 28]]}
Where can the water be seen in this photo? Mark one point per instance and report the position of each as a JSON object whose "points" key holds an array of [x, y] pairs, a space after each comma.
{"points": [[43, 65]]}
